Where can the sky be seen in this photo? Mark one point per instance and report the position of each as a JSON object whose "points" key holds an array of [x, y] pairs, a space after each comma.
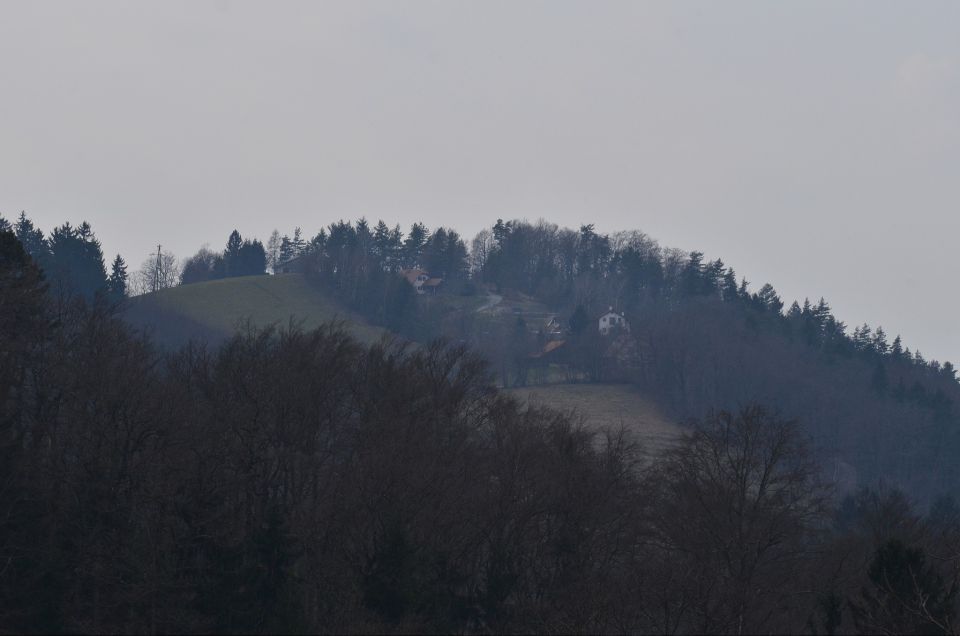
{"points": [[811, 145]]}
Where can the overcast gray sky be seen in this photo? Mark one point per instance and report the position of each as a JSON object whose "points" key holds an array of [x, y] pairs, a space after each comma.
{"points": [[812, 145]]}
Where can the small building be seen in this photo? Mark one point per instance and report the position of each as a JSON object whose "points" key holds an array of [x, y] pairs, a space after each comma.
{"points": [[611, 321], [296, 265], [421, 280], [431, 285], [552, 328]]}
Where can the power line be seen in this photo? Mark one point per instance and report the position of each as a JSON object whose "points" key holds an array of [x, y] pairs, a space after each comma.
{"points": [[156, 271]]}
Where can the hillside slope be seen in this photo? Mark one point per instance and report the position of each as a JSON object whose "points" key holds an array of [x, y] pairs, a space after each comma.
{"points": [[608, 406], [214, 310]]}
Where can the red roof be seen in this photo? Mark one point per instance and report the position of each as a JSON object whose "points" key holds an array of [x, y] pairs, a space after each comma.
{"points": [[412, 274]]}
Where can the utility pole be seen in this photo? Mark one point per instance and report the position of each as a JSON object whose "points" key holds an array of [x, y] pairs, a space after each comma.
{"points": [[156, 271]]}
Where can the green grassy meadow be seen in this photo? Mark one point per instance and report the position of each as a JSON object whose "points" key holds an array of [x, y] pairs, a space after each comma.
{"points": [[225, 305]]}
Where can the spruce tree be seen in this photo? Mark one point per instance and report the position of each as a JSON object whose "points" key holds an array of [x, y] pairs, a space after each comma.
{"points": [[75, 264], [234, 242], [896, 350], [949, 371], [117, 283], [395, 247], [32, 239], [231, 255], [728, 286], [880, 342], [318, 243], [501, 231], [769, 300], [863, 338], [298, 244], [286, 250], [413, 245], [794, 313], [381, 243], [693, 275], [821, 313]]}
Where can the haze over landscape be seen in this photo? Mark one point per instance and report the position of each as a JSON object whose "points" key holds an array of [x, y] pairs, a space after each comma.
{"points": [[487, 317], [810, 145]]}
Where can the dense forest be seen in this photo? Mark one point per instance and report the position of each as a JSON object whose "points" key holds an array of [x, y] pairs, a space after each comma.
{"points": [[300, 481]]}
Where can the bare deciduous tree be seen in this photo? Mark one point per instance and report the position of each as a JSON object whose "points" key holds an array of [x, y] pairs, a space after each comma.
{"points": [[157, 272]]}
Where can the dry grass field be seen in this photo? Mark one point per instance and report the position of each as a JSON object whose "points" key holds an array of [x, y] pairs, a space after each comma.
{"points": [[608, 406]]}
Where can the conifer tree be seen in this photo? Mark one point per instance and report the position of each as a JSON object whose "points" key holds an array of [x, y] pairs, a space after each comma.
{"points": [[728, 286], [286, 250], [413, 245], [693, 275], [364, 236], [769, 300], [232, 252], [381, 243], [395, 247], [880, 342], [896, 350], [821, 313], [794, 313], [318, 243], [863, 338], [714, 275], [75, 262], [298, 243], [501, 231], [949, 371], [32, 239], [117, 283]]}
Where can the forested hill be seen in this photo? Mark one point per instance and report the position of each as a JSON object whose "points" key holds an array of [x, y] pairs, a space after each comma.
{"points": [[700, 337], [297, 480]]}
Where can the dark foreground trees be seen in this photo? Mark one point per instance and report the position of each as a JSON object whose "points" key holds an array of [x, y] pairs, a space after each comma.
{"points": [[736, 507]]}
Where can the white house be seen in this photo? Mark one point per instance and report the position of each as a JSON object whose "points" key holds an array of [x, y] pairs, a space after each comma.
{"points": [[612, 320], [421, 281]]}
